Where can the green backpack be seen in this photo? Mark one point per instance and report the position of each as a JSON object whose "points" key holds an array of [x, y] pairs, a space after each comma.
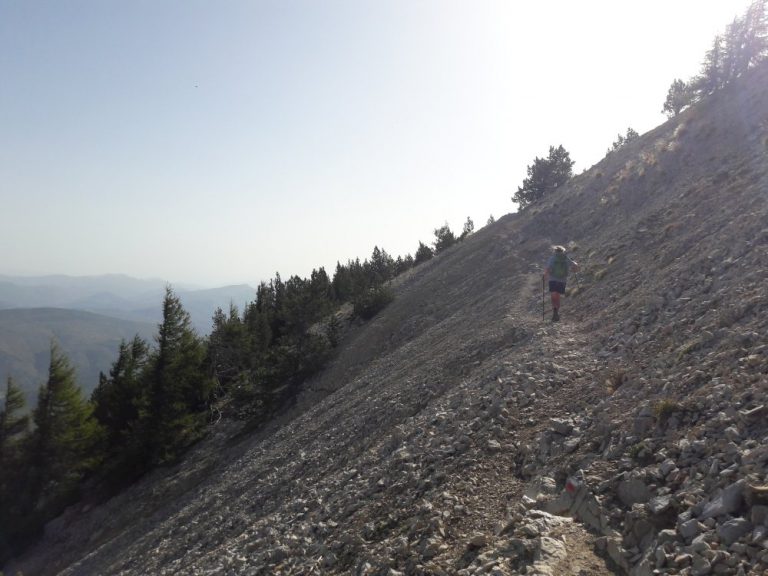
{"points": [[560, 265]]}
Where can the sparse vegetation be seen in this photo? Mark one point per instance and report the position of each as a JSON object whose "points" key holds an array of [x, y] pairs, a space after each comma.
{"points": [[373, 301], [622, 141], [664, 409], [638, 451], [615, 379], [688, 347], [600, 274], [545, 175]]}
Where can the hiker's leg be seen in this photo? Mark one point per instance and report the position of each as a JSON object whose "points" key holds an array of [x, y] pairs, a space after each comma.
{"points": [[555, 300]]}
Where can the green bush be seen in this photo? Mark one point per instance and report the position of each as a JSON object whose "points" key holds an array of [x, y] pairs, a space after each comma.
{"points": [[372, 301]]}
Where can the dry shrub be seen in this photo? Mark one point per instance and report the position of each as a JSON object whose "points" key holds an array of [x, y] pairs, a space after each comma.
{"points": [[600, 274], [681, 130], [664, 409], [688, 347]]}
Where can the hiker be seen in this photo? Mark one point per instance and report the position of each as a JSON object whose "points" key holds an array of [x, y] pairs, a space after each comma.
{"points": [[558, 266]]}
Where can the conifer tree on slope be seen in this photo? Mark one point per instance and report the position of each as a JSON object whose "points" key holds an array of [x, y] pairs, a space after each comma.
{"points": [[228, 346], [544, 176], [64, 445], [13, 426], [179, 386], [117, 401], [13, 423], [423, 253], [679, 96]]}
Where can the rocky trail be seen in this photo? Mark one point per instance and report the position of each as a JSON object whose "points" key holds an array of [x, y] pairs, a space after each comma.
{"points": [[457, 433]]}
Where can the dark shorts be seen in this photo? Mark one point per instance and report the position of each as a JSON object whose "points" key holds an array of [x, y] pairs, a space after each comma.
{"points": [[555, 286]]}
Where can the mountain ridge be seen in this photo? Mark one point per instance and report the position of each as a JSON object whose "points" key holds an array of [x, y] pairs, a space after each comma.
{"points": [[118, 295]]}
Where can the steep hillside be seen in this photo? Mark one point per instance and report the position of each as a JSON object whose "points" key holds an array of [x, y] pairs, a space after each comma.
{"points": [[460, 433], [90, 341]]}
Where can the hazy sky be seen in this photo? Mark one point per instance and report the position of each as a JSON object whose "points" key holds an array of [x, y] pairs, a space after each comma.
{"points": [[218, 142]]}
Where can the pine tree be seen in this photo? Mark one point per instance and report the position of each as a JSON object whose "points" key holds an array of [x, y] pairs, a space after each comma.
{"points": [[712, 76], [179, 387], [228, 346], [444, 238], [342, 283], [469, 228], [679, 97], [321, 293], [623, 140], [545, 175], [423, 253], [756, 37], [258, 328], [118, 402], [14, 425], [13, 422], [381, 267], [64, 445]]}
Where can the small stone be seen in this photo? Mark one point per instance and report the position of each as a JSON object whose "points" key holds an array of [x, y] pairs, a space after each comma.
{"points": [[683, 560], [494, 446], [667, 536], [666, 467], [659, 504], [478, 540], [755, 414], [732, 433], [690, 529], [561, 426], [701, 566]]}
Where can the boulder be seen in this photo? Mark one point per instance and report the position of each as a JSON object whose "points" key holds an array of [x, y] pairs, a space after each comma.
{"points": [[633, 491], [727, 502], [732, 530]]}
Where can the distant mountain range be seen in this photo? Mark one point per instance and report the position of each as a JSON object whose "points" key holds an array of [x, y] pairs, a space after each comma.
{"points": [[90, 341], [119, 296], [88, 317]]}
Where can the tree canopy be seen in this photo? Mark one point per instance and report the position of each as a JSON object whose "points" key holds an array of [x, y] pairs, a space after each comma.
{"points": [[545, 175], [743, 46]]}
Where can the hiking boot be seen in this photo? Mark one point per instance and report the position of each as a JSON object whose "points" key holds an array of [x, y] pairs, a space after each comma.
{"points": [[555, 316]]}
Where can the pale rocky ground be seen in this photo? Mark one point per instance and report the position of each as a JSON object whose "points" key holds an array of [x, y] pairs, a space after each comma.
{"points": [[459, 433]]}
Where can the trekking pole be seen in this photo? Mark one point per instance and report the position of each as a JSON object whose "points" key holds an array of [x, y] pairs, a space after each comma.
{"points": [[543, 298]]}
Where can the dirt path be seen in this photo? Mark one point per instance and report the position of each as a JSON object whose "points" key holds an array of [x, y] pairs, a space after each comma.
{"points": [[556, 360]]}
